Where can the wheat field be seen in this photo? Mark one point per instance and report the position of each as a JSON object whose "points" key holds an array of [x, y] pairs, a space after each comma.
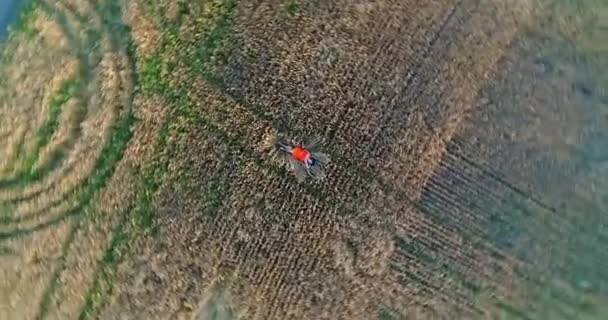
{"points": [[138, 179]]}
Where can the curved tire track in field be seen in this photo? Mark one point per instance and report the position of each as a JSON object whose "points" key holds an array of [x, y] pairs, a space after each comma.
{"points": [[77, 121], [53, 176]]}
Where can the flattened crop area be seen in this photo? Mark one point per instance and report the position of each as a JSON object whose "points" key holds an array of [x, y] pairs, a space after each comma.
{"points": [[384, 86]]}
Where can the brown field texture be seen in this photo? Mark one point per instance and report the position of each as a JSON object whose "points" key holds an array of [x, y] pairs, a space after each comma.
{"points": [[138, 180]]}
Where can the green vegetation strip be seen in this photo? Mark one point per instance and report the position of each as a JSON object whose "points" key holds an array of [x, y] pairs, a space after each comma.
{"points": [[139, 221], [47, 296]]}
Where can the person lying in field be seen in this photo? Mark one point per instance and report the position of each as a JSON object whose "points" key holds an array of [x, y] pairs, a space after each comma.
{"points": [[306, 160]]}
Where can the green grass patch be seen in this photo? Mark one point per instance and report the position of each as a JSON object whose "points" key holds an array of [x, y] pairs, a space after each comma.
{"points": [[6, 251], [384, 313], [24, 22], [150, 79], [6, 211], [143, 217], [511, 312], [211, 48], [291, 7], [215, 199]]}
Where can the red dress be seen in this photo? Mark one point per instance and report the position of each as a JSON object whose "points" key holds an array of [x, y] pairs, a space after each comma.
{"points": [[299, 154]]}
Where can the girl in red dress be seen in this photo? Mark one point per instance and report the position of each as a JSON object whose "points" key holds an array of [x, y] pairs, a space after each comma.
{"points": [[306, 160]]}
